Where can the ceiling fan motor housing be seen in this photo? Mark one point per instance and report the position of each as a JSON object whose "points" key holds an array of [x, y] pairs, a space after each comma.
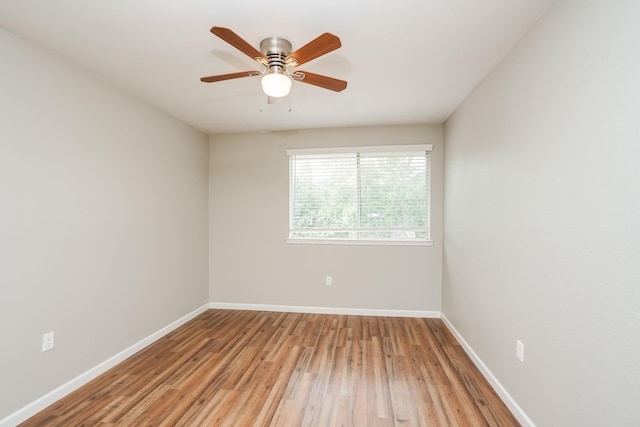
{"points": [[276, 49]]}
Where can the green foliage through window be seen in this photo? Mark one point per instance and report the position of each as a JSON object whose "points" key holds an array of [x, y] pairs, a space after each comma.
{"points": [[360, 195]]}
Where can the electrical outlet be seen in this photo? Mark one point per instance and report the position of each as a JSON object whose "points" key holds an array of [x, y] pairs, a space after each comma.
{"points": [[47, 341], [520, 351], [328, 281]]}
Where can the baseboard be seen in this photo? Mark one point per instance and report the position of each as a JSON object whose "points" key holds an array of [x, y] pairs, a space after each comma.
{"points": [[325, 310], [54, 395], [508, 400]]}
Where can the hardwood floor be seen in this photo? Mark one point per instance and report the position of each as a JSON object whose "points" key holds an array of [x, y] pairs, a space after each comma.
{"points": [[249, 368]]}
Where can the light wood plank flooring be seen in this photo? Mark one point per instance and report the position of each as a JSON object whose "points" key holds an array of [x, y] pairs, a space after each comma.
{"points": [[250, 368]]}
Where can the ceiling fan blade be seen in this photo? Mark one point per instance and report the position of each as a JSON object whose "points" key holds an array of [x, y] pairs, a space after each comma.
{"points": [[319, 46], [212, 79], [320, 80], [238, 42]]}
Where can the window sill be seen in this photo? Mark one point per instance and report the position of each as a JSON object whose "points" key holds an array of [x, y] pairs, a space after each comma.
{"points": [[361, 242]]}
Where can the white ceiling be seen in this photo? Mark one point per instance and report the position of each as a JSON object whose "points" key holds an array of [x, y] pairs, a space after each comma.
{"points": [[406, 61]]}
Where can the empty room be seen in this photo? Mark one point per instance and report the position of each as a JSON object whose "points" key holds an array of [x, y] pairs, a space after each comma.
{"points": [[357, 213]]}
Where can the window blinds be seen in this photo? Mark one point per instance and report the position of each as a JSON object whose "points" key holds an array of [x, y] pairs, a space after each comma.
{"points": [[363, 193]]}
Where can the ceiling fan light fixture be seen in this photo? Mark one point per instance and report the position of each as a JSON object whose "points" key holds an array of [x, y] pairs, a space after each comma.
{"points": [[277, 57], [276, 84]]}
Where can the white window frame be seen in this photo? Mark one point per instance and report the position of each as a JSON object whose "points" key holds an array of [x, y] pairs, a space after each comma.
{"points": [[364, 149]]}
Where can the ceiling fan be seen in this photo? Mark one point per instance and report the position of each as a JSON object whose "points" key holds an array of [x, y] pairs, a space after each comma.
{"points": [[277, 58]]}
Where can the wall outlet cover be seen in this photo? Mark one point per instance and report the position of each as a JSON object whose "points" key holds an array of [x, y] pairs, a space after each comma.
{"points": [[47, 341], [520, 351]]}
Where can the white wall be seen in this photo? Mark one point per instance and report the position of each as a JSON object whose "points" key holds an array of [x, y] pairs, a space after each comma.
{"points": [[103, 221], [542, 216], [252, 264]]}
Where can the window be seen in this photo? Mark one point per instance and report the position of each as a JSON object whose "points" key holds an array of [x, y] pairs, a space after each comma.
{"points": [[359, 194]]}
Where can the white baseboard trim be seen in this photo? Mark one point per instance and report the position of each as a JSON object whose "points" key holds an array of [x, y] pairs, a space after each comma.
{"points": [[325, 310], [38, 405], [513, 406]]}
